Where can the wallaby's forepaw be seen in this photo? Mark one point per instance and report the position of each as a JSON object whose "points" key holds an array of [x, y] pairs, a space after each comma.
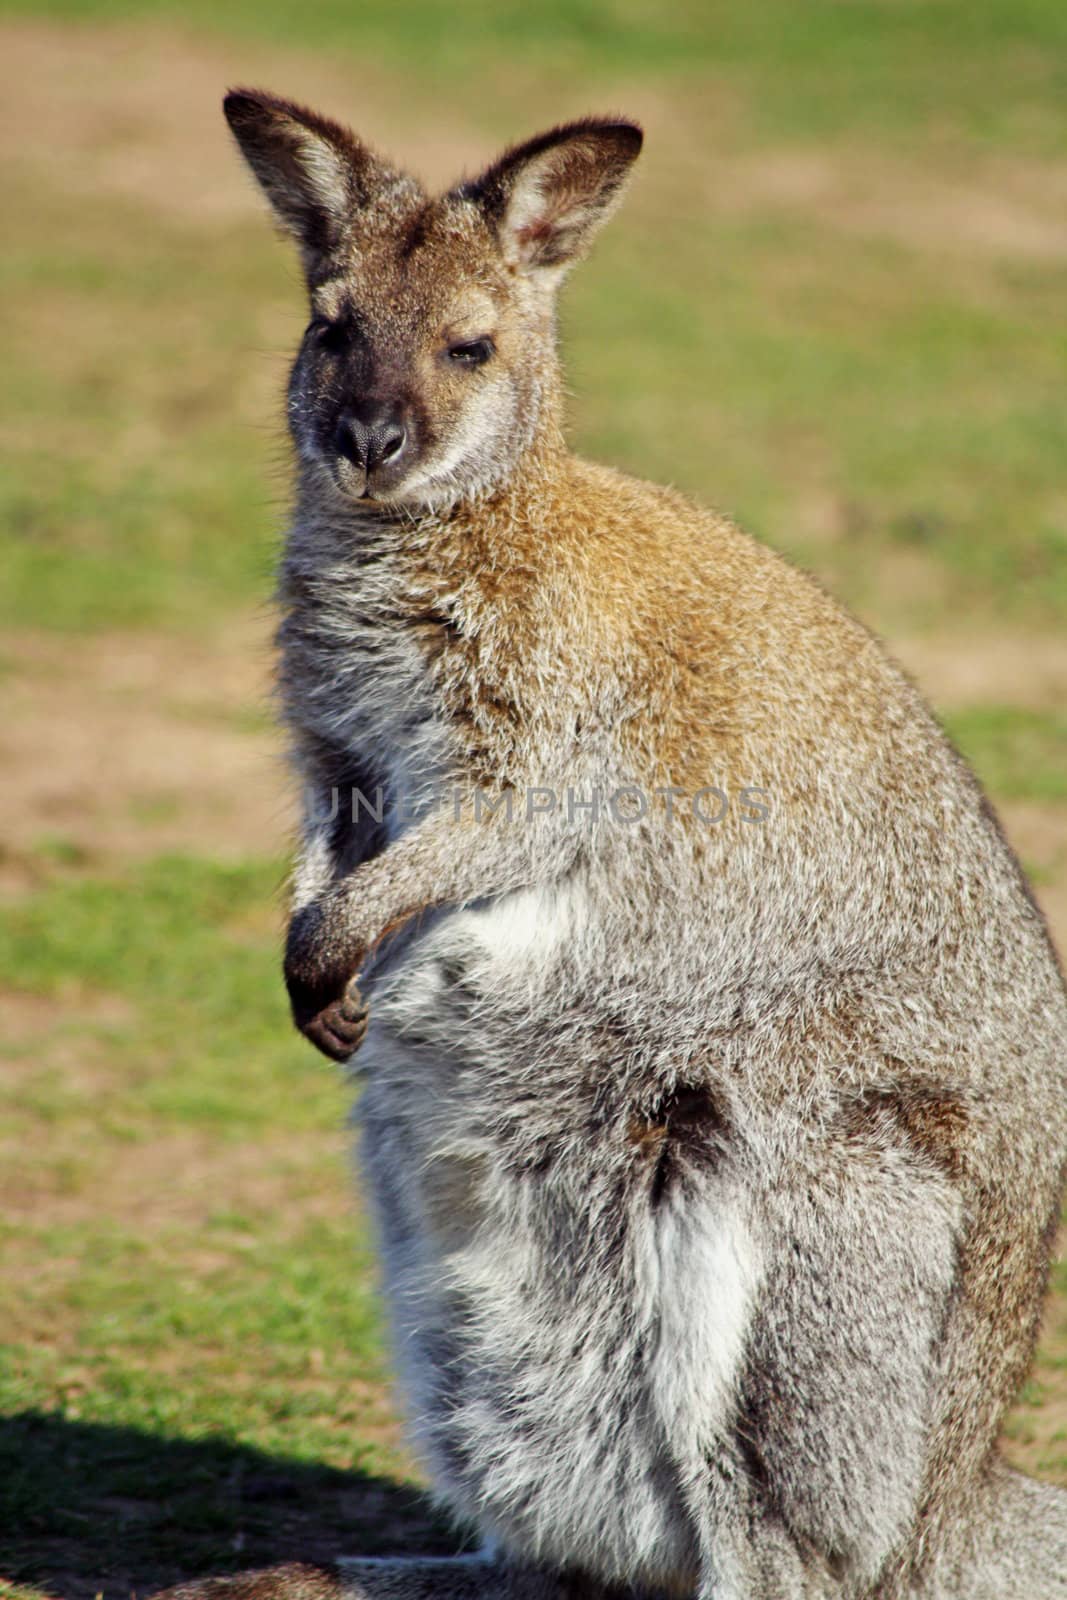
{"points": [[339, 1028], [325, 999]]}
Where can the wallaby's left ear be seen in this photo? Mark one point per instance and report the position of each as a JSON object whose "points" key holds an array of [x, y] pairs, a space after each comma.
{"points": [[547, 197], [316, 174]]}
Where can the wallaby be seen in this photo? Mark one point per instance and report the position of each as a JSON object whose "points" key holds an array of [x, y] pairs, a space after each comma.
{"points": [[715, 1102]]}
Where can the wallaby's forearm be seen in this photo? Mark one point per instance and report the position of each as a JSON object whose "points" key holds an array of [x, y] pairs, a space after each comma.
{"points": [[454, 855]]}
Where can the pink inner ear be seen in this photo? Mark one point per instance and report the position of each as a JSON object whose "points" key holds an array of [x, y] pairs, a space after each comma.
{"points": [[541, 229]]}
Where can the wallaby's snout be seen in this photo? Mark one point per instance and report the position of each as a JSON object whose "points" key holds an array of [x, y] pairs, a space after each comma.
{"points": [[371, 437], [360, 398], [428, 366]]}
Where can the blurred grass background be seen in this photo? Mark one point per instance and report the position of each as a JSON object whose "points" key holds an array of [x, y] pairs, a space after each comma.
{"points": [[833, 306]]}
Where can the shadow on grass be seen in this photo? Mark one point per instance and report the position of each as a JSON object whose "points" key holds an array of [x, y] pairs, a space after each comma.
{"points": [[87, 1508]]}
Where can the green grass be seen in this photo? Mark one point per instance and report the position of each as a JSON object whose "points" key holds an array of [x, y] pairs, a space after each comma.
{"points": [[992, 71], [172, 1336], [137, 491], [1020, 754], [761, 376], [769, 363], [192, 947]]}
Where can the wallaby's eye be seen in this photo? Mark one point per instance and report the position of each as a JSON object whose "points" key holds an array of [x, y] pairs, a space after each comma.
{"points": [[328, 335], [474, 353]]}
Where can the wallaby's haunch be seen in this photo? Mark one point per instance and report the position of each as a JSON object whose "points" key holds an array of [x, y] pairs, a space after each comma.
{"points": [[716, 1054]]}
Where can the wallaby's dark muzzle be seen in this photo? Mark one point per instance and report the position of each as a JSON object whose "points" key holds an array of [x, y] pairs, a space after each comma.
{"points": [[371, 435]]}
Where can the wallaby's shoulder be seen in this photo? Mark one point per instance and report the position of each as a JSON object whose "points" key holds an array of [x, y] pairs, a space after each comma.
{"points": [[661, 539], [690, 581]]}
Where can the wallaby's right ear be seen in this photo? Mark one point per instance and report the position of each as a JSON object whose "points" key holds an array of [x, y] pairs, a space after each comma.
{"points": [[315, 173], [548, 197]]}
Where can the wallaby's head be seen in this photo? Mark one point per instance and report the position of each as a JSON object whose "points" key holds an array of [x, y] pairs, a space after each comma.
{"points": [[428, 363]]}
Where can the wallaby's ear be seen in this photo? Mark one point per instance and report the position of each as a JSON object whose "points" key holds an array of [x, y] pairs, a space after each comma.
{"points": [[315, 173], [547, 197]]}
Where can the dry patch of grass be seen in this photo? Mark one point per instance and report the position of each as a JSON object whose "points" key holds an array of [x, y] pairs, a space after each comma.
{"points": [[1009, 667], [133, 111], [998, 209], [116, 746]]}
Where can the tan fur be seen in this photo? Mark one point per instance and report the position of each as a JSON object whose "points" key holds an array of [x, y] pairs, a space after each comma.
{"points": [[774, 1110]]}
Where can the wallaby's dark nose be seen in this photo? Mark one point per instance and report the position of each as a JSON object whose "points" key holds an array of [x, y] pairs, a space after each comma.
{"points": [[371, 435]]}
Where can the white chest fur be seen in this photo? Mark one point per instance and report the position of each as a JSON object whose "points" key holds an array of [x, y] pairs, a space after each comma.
{"points": [[570, 1341]]}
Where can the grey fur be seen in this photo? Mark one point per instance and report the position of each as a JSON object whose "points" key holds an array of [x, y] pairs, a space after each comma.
{"points": [[715, 1169]]}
